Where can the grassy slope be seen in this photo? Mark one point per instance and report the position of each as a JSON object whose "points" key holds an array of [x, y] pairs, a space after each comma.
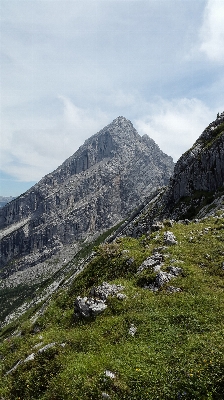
{"points": [[177, 351], [13, 297]]}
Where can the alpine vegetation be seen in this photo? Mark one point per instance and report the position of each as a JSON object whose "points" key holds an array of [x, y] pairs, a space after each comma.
{"points": [[136, 311]]}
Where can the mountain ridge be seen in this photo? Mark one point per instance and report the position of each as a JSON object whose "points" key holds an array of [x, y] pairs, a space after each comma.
{"points": [[139, 315], [91, 191], [196, 188]]}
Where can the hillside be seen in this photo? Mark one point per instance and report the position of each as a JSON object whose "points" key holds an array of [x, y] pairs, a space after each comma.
{"points": [[155, 341], [137, 313]]}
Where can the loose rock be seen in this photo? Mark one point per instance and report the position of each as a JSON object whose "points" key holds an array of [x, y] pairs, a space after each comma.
{"points": [[176, 271], [105, 290], [173, 289], [109, 374], [153, 262], [105, 395], [87, 307], [169, 238], [95, 304], [30, 357], [121, 296], [132, 330]]}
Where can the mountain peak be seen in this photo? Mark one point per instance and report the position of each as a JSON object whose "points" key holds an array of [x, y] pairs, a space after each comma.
{"points": [[121, 121], [95, 188], [208, 132], [121, 127]]}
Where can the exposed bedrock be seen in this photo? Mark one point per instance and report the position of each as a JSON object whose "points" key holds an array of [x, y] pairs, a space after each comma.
{"points": [[91, 191]]}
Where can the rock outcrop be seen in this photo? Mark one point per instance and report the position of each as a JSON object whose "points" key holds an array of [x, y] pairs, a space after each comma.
{"points": [[199, 173], [96, 303], [196, 188], [154, 264], [90, 192]]}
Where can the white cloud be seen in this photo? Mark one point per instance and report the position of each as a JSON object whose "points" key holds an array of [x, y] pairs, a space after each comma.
{"points": [[33, 147], [107, 58], [176, 124], [38, 146], [120, 98], [212, 31]]}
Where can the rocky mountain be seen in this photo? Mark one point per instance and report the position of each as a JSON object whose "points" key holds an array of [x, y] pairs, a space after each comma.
{"points": [[139, 317], [199, 174], [196, 188], [93, 190]]}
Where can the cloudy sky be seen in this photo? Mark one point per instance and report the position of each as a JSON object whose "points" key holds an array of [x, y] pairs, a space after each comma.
{"points": [[69, 67]]}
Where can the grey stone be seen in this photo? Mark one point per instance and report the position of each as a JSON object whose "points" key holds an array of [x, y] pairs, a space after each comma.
{"points": [[176, 271], [30, 357], [132, 330], [14, 367], [96, 303], [37, 345], [152, 262], [173, 289], [81, 307], [87, 307], [45, 348], [162, 278], [105, 395], [121, 296], [109, 374], [97, 307], [105, 290], [130, 261], [169, 238]]}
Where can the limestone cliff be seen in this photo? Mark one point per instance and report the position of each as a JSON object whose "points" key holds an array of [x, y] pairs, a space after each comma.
{"points": [[91, 191], [196, 188], [199, 174]]}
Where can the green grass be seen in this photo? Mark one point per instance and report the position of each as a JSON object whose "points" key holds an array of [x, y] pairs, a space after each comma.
{"points": [[177, 351], [197, 201], [13, 297], [215, 134]]}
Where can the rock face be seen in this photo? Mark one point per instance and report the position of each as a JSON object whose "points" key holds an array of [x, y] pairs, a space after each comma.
{"points": [[200, 170], [195, 189], [91, 191]]}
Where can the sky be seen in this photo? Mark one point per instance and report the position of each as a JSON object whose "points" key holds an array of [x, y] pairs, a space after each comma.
{"points": [[69, 67]]}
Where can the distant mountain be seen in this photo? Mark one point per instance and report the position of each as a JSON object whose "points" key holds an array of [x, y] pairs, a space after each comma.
{"points": [[5, 200], [97, 187]]}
